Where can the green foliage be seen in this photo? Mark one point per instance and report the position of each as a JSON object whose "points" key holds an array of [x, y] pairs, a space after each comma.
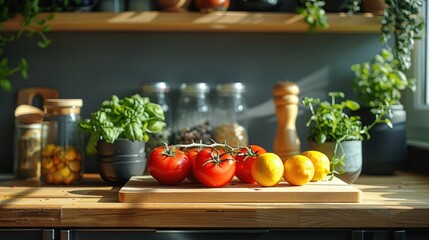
{"points": [[330, 122], [314, 14], [381, 80], [32, 24], [402, 21], [353, 6], [130, 118]]}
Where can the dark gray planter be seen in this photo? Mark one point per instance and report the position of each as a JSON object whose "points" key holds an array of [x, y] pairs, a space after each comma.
{"points": [[120, 147], [119, 161], [386, 150], [118, 173]]}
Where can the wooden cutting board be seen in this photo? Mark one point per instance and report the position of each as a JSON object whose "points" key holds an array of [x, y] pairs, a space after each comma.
{"points": [[145, 189]]}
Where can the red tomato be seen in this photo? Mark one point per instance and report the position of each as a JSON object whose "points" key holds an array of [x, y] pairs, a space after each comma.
{"points": [[168, 166], [214, 168], [245, 159], [192, 154]]}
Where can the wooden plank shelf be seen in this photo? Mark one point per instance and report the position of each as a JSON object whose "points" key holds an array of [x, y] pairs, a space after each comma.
{"points": [[151, 21]]}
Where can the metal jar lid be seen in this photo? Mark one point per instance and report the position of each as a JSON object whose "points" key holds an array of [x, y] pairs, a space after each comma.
{"points": [[233, 87], [195, 87], [155, 87]]}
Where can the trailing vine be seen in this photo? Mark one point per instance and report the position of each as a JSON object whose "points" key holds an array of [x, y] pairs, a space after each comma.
{"points": [[402, 21], [32, 25]]}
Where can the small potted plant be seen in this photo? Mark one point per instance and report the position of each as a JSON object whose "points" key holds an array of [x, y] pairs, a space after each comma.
{"points": [[339, 134], [381, 81], [314, 14], [118, 132], [314, 11]]}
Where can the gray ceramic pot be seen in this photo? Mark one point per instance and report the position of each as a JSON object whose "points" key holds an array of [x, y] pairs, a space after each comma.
{"points": [[119, 161], [120, 147], [118, 173], [353, 160]]}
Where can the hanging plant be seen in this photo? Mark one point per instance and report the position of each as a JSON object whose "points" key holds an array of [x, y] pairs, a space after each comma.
{"points": [[402, 21], [32, 26]]}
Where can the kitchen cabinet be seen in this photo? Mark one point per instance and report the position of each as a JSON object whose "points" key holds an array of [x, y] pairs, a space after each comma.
{"points": [[24, 234], [236, 234], [392, 208], [201, 22], [209, 234]]}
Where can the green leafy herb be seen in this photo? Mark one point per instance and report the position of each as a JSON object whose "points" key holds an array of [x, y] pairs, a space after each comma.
{"points": [[130, 118], [330, 122], [381, 80]]}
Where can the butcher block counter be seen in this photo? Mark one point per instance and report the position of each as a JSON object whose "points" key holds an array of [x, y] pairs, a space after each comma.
{"points": [[400, 201]]}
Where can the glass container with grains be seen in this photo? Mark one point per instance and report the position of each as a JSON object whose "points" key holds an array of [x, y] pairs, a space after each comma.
{"points": [[193, 115], [62, 142], [230, 122]]}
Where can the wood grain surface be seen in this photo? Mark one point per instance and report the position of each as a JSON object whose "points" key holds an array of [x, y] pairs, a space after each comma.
{"points": [[400, 201], [201, 22], [145, 189]]}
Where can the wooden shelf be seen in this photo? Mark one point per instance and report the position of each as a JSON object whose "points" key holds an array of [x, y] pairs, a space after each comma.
{"points": [[200, 22]]}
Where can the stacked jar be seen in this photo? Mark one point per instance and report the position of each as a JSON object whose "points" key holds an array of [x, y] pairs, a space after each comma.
{"points": [[62, 142], [230, 122], [158, 92], [193, 114]]}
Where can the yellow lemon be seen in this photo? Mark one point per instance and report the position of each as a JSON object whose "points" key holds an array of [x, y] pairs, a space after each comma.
{"points": [[267, 169], [321, 164], [298, 170]]}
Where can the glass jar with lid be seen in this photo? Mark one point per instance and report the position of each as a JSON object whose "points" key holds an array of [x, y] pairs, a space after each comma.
{"points": [[158, 92], [193, 114], [62, 142], [230, 122], [27, 150]]}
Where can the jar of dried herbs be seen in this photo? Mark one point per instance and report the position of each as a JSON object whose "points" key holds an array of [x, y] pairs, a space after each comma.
{"points": [[193, 114]]}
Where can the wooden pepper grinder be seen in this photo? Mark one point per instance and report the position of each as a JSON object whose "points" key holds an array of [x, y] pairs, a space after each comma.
{"points": [[286, 142]]}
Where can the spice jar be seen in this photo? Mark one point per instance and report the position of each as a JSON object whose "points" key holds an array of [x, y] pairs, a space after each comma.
{"points": [[158, 93], [62, 142], [27, 150], [230, 123], [193, 118]]}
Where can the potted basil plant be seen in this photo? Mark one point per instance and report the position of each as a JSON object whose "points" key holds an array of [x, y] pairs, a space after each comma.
{"points": [[118, 132], [339, 134], [377, 82]]}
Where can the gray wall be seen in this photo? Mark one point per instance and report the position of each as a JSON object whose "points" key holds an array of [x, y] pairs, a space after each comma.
{"points": [[93, 66]]}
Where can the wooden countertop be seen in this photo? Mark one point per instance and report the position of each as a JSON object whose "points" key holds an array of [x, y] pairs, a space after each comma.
{"points": [[399, 201]]}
